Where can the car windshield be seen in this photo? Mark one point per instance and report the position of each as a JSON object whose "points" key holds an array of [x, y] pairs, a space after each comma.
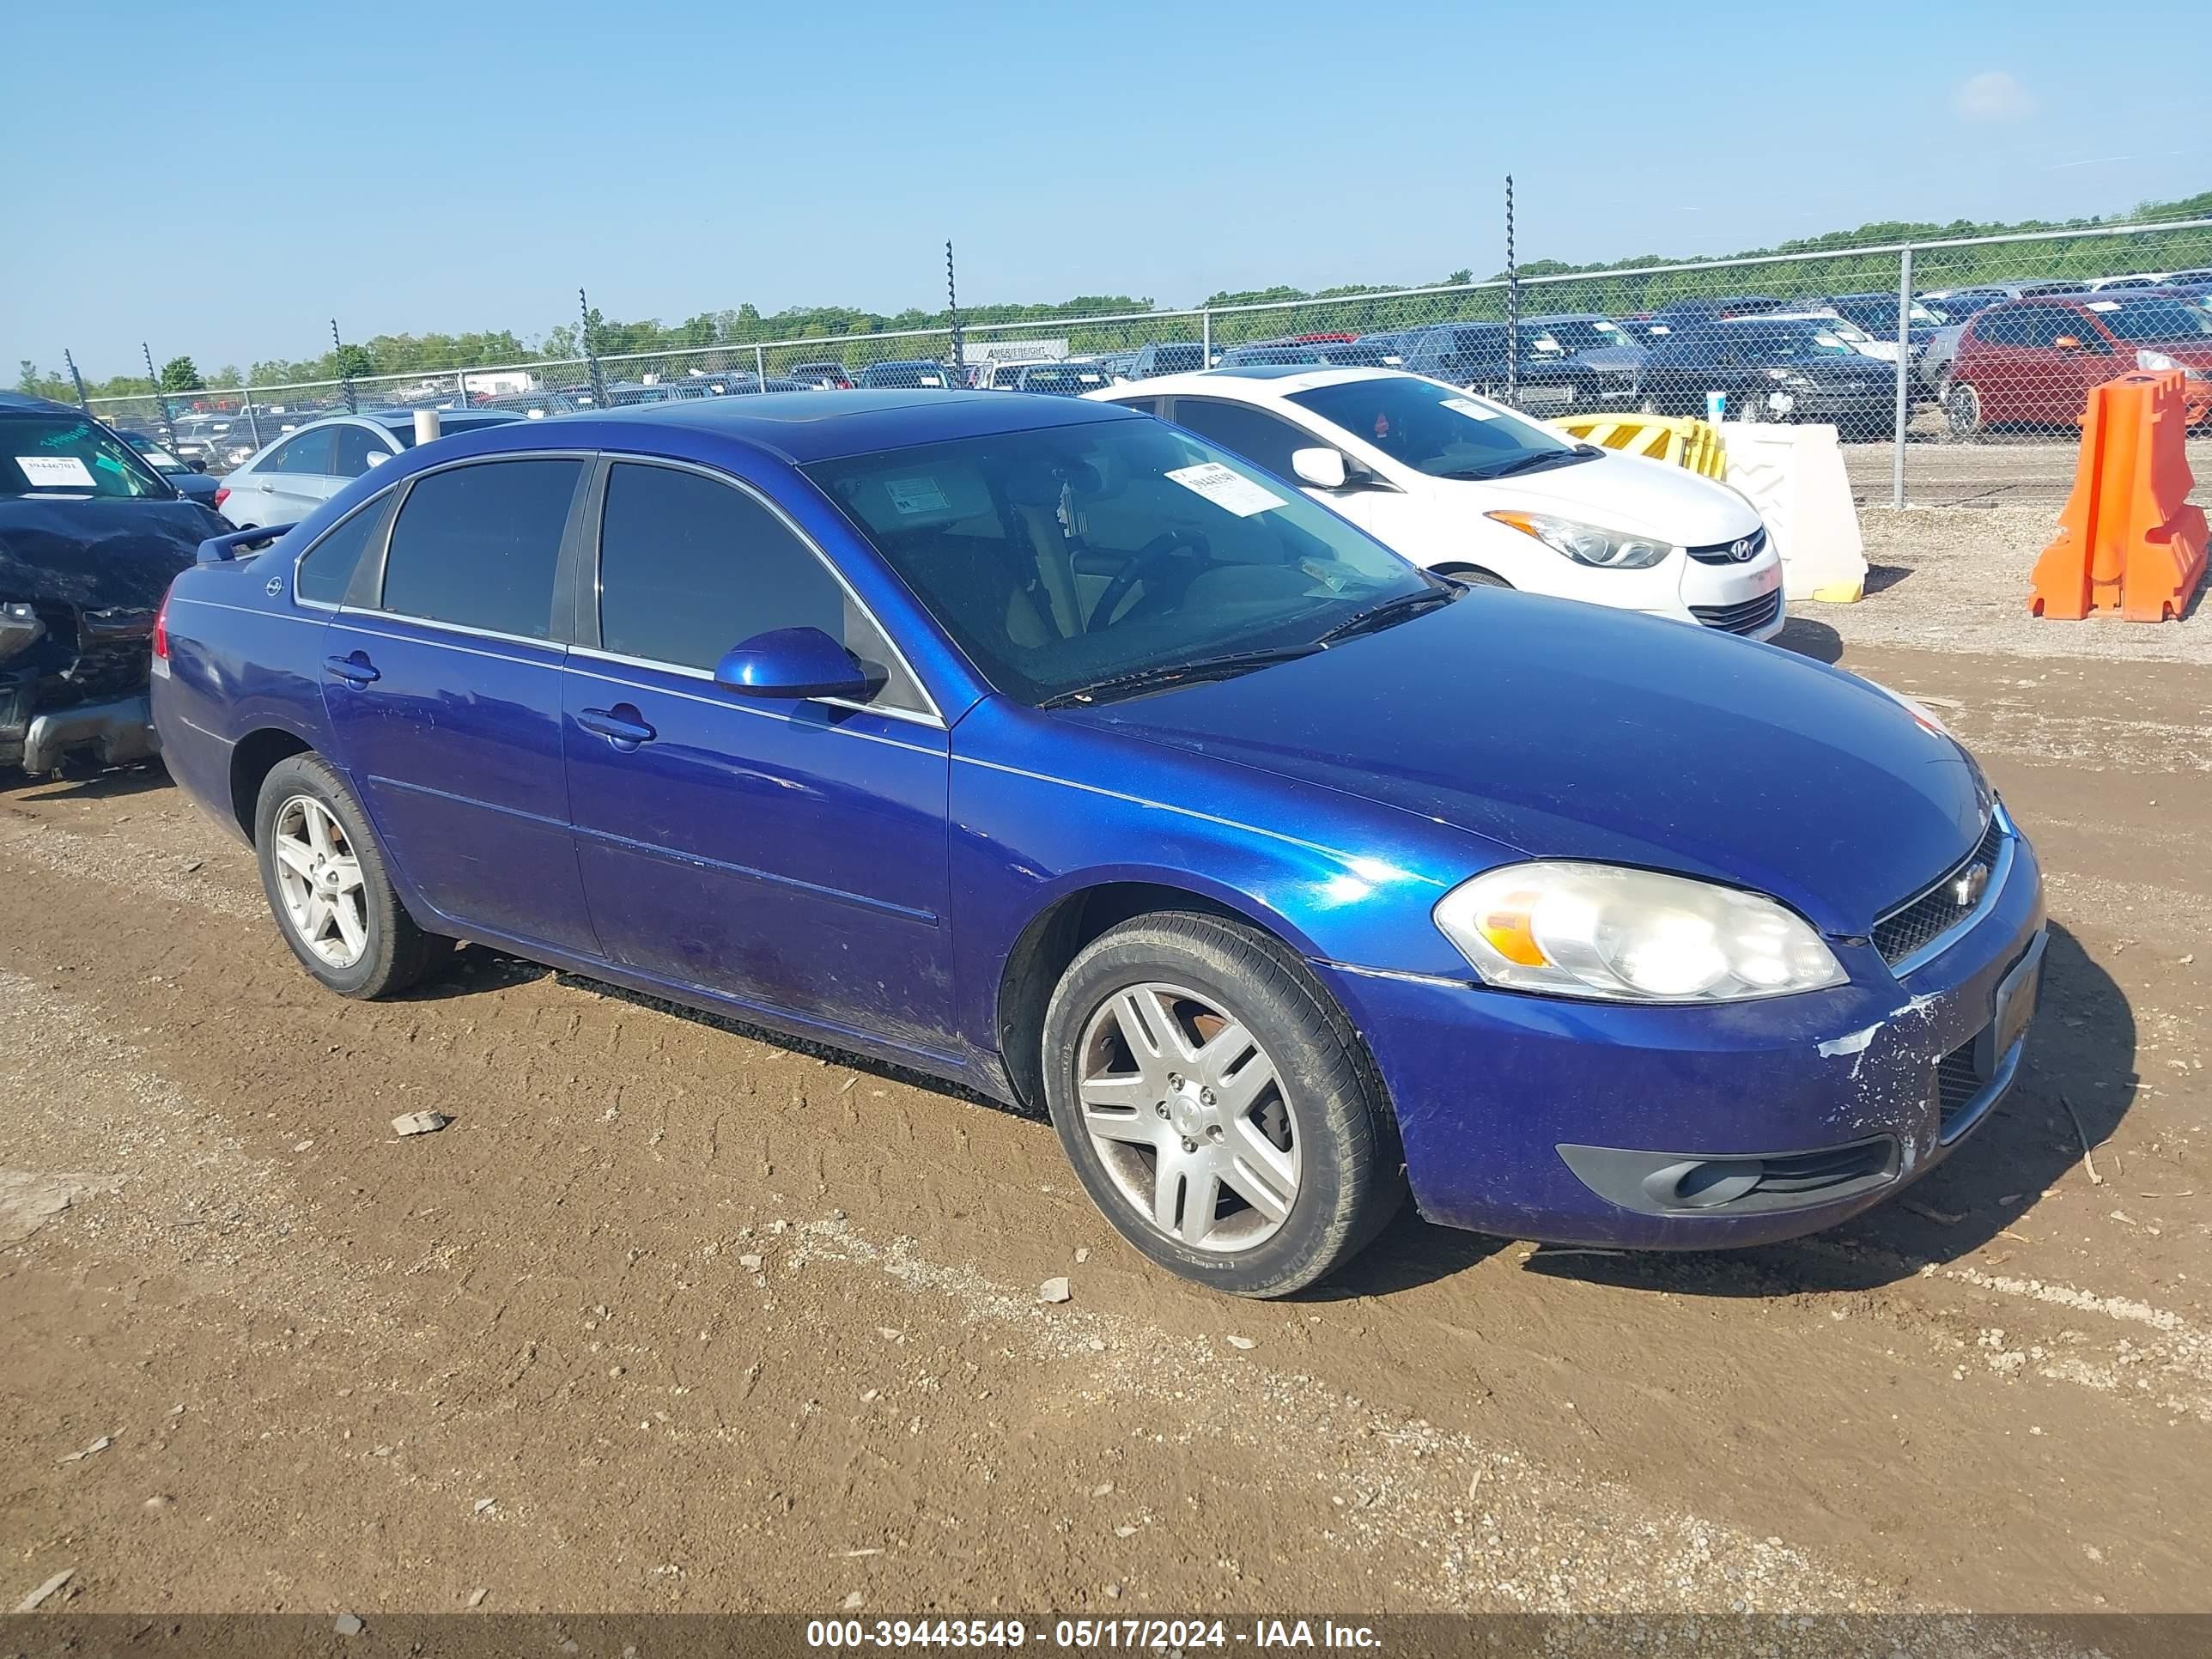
{"points": [[1878, 317], [1065, 558], [1436, 430], [2136, 320], [1571, 335], [1809, 338], [61, 454]]}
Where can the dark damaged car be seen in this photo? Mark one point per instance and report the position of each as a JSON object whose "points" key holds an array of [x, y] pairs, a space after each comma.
{"points": [[90, 538]]}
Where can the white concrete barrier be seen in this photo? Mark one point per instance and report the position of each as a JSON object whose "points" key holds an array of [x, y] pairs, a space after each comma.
{"points": [[1794, 476]]}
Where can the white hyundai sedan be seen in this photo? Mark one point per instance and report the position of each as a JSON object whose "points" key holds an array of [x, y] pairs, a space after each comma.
{"points": [[1465, 486]]}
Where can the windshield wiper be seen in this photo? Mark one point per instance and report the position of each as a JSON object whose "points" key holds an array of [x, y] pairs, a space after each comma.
{"points": [[1390, 611], [1534, 463], [1163, 675]]}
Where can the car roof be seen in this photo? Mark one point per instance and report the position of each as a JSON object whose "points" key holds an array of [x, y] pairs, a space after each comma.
{"points": [[1260, 381], [1567, 317], [804, 427], [23, 403]]}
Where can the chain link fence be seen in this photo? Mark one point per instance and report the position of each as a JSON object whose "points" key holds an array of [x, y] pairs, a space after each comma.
{"points": [[1953, 370]]}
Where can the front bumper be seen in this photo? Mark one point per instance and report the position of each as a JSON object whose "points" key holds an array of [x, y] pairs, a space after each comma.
{"points": [[1698, 1127]]}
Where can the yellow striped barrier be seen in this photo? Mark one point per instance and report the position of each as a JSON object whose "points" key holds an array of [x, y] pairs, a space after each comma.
{"points": [[1678, 441]]}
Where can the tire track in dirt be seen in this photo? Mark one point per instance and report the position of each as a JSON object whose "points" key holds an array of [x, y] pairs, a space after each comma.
{"points": [[968, 1183]]}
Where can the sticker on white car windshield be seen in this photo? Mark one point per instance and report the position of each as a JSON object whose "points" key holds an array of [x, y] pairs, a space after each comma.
{"points": [[1233, 492], [54, 473], [916, 494], [2104, 304], [1472, 410]]}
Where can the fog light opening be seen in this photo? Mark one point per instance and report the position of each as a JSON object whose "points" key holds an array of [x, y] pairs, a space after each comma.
{"points": [[1702, 1184]]}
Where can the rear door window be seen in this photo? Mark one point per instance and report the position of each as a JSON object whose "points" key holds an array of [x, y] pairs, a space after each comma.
{"points": [[312, 453], [689, 566], [476, 546]]}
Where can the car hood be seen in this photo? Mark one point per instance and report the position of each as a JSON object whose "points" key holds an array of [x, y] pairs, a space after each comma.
{"points": [[99, 554], [1571, 731], [1624, 492], [1621, 357], [1861, 365]]}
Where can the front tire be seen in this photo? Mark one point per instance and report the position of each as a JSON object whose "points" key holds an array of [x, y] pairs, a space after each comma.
{"points": [[1216, 1104], [328, 887]]}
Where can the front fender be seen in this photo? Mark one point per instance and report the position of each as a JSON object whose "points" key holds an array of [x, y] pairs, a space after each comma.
{"points": [[1043, 809]]}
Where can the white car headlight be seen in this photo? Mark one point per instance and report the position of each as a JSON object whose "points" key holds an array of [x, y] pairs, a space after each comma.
{"points": [[1587, 544], [1605, 931]]}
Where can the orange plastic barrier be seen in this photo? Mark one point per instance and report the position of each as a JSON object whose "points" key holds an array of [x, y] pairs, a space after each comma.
{"points": [[2128, 541]]}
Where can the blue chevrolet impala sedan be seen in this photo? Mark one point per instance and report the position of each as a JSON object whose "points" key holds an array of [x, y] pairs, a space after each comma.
{"points": [[1037, 745]]}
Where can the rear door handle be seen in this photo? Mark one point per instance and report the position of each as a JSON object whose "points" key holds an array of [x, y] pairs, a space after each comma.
{"points": [[354, 670], [621, 726]]}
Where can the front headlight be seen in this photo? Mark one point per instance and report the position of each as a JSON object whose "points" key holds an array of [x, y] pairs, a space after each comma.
{"points": [[1586, 543], [1602, 930]]}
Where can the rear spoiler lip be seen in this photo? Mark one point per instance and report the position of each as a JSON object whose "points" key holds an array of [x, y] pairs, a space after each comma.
{"points": [[221, 550]]}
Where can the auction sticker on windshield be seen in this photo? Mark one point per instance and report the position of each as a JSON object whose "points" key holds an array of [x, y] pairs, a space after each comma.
{"points": [[1472, 410], [916, 494], [1233, 492], [55, 471]]}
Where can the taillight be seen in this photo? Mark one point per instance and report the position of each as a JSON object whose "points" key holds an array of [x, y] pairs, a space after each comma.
{"points": [[161, 630], [221, 494]]}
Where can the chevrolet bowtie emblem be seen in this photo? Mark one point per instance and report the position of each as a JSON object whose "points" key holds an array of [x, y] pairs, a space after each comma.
{"points": [[1969, 888]]}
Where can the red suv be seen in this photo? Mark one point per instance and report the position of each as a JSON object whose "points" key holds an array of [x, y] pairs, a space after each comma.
{"points": [[2035, 360]]}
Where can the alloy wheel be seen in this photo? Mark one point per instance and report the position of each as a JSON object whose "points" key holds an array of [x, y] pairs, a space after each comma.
{"points": [[1190, 1117], [319, 875]]}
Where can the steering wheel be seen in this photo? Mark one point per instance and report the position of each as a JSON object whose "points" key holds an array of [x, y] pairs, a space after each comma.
{"points": [[1156, 551]]}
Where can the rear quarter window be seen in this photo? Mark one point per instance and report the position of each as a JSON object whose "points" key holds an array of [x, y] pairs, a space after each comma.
{"points": [[325, 570]]}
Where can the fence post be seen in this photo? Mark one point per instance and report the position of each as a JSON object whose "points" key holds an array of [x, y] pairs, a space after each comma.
{"points": [[760, 367], [345, 369], [1206, 337], [252, 420], [591, 353], [1904, 369], [953, 312], [162, 423], [1512, 306], [461, 386]]}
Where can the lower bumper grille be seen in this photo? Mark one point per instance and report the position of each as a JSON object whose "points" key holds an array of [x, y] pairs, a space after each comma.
{"points": [[1957, 1083], [1748, 617]]}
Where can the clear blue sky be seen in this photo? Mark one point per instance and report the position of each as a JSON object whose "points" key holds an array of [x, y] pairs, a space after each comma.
{"points": [[222, 180]]}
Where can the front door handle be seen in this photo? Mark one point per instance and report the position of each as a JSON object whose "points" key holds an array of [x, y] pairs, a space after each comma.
{"points": [[621, 726], [354, 669]]}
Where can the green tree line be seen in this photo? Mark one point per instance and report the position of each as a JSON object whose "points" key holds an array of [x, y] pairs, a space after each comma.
{"points": [[1811, 265]]}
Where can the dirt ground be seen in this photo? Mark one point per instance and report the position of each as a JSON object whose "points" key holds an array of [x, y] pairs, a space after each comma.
{"points": [[672, 1317]]}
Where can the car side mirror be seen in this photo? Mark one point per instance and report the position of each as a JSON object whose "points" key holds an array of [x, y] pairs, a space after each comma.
{"points": [[1324, 469], [791, 662], [197, 467]]}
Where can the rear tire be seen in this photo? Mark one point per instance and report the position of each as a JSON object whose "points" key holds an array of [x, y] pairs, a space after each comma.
{"points": [[1962, 412], [1240, 1138], [328, 887]]}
